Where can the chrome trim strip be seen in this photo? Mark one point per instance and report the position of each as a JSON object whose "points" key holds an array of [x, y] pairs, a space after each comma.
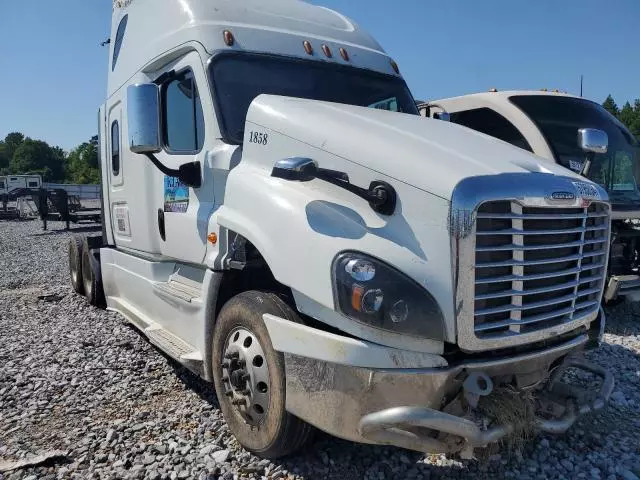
{"points": [[526, 190]]}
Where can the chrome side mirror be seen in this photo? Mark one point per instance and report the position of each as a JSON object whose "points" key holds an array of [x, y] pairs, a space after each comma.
{"points": [[143, 112], [593, 140]]}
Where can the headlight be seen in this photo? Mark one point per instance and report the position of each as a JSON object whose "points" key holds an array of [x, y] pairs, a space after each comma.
{"points": [[371, 292]]}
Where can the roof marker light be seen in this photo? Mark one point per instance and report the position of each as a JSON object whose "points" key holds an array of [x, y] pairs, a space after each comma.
{"points": [[344, 54], [307, 47], [228, 38], [327, 51], [395, 67]]}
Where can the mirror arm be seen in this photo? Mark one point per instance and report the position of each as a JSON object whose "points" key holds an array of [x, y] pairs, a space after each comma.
{"points": [[587, 164], [188, 173], [380, 195], [160, 166]]}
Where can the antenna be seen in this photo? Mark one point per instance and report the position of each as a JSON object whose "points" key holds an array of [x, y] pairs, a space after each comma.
{"points": [[581, 81]]}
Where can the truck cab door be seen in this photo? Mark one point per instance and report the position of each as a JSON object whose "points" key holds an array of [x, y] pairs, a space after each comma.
{"points": [[183, 212]]}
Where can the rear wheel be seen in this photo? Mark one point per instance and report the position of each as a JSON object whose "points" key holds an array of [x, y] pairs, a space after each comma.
{"points": [[75, 264], [249, 377], [91, 277]]}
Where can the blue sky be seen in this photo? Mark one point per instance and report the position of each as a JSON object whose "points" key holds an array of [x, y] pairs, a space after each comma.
{"points": [[54, 72]]}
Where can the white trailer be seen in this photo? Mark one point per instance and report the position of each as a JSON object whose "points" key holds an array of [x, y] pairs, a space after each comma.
{"points": [[578, 134], [279, 219], [10, 184]]}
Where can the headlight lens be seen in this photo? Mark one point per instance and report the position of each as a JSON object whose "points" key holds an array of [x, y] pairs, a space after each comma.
{"points": [[371, 292]]}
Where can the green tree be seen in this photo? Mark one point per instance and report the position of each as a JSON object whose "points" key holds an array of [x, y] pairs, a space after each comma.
{"points": [[610, 105], [627, 115], [82, 163], [11, 143], [635, 124], [4, 158], [36, 156]]}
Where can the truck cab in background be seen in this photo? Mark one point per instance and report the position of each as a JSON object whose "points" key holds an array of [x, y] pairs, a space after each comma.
{"points": [[280, 220], [555, 126]]}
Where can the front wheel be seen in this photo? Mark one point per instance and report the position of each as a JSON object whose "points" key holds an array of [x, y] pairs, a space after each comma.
{"points": [[249, 377], [75, 264]]}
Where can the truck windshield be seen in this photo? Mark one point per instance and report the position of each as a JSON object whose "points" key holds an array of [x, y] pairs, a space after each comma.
{"points": [[238, 79], [559, 119]]}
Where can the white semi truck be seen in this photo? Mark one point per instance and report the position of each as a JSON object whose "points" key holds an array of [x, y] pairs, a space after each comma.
{"points": [[279, 219], [578, 134]]}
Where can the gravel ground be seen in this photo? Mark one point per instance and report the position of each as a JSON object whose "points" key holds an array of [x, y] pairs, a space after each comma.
{"points": [[81, 381]]}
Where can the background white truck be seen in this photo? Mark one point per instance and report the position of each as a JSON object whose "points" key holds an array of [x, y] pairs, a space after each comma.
{"points": [[280, 220], [550, 124]]}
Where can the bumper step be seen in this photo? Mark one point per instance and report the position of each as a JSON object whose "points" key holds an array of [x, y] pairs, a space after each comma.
{"points": [[621, 285], [176, 348]]}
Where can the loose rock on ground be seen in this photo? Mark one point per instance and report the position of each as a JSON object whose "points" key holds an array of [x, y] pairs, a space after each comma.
{"points": [[81, 381]]}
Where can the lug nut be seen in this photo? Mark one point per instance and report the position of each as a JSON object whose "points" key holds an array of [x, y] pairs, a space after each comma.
{"points": [[240, 401], [232, 355]]}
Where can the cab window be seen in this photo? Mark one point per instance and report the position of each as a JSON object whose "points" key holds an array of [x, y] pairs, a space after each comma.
{"points": [[490, 122], [117, 45], [183, 120]]}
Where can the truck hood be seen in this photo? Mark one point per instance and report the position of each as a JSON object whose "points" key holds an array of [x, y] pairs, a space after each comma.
{"points": [[431, 155]]}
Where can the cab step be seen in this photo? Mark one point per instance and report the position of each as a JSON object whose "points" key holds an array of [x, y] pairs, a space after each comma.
{"points": [[176, 348]]}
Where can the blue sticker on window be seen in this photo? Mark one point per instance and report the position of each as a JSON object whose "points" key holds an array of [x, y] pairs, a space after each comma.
{"points": [[176, 195]]}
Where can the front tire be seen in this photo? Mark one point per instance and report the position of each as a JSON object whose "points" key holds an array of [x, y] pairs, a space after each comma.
{"points": [[249, 377], [91, 277], [75, 264]]}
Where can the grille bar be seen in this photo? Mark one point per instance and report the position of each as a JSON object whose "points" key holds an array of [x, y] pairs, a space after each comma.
{"points": [[513, 263], [535, 291], [537, 267], [540, 276], [544, 303], [541, 247], [513, 231], [547, 216], [538, 318]]}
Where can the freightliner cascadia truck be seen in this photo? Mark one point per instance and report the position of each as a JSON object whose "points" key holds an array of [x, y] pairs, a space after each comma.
{"points": [[580, 135], [280, 220]]}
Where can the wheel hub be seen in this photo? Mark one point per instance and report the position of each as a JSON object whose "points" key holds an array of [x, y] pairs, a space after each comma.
{"points": [[245, 375]]}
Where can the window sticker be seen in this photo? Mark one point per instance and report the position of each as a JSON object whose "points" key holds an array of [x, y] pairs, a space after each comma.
{"points": [[176, 195]]}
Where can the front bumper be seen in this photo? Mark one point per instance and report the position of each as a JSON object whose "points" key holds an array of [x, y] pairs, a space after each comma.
{"points": [[403, 406], [396, 426]]}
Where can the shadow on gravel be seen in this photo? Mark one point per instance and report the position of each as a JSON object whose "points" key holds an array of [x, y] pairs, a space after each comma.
{"points": [[87, 229], [193, 382], [623, 319]]}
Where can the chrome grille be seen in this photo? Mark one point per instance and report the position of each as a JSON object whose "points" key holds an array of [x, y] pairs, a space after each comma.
{"points": [[537, 267]]}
